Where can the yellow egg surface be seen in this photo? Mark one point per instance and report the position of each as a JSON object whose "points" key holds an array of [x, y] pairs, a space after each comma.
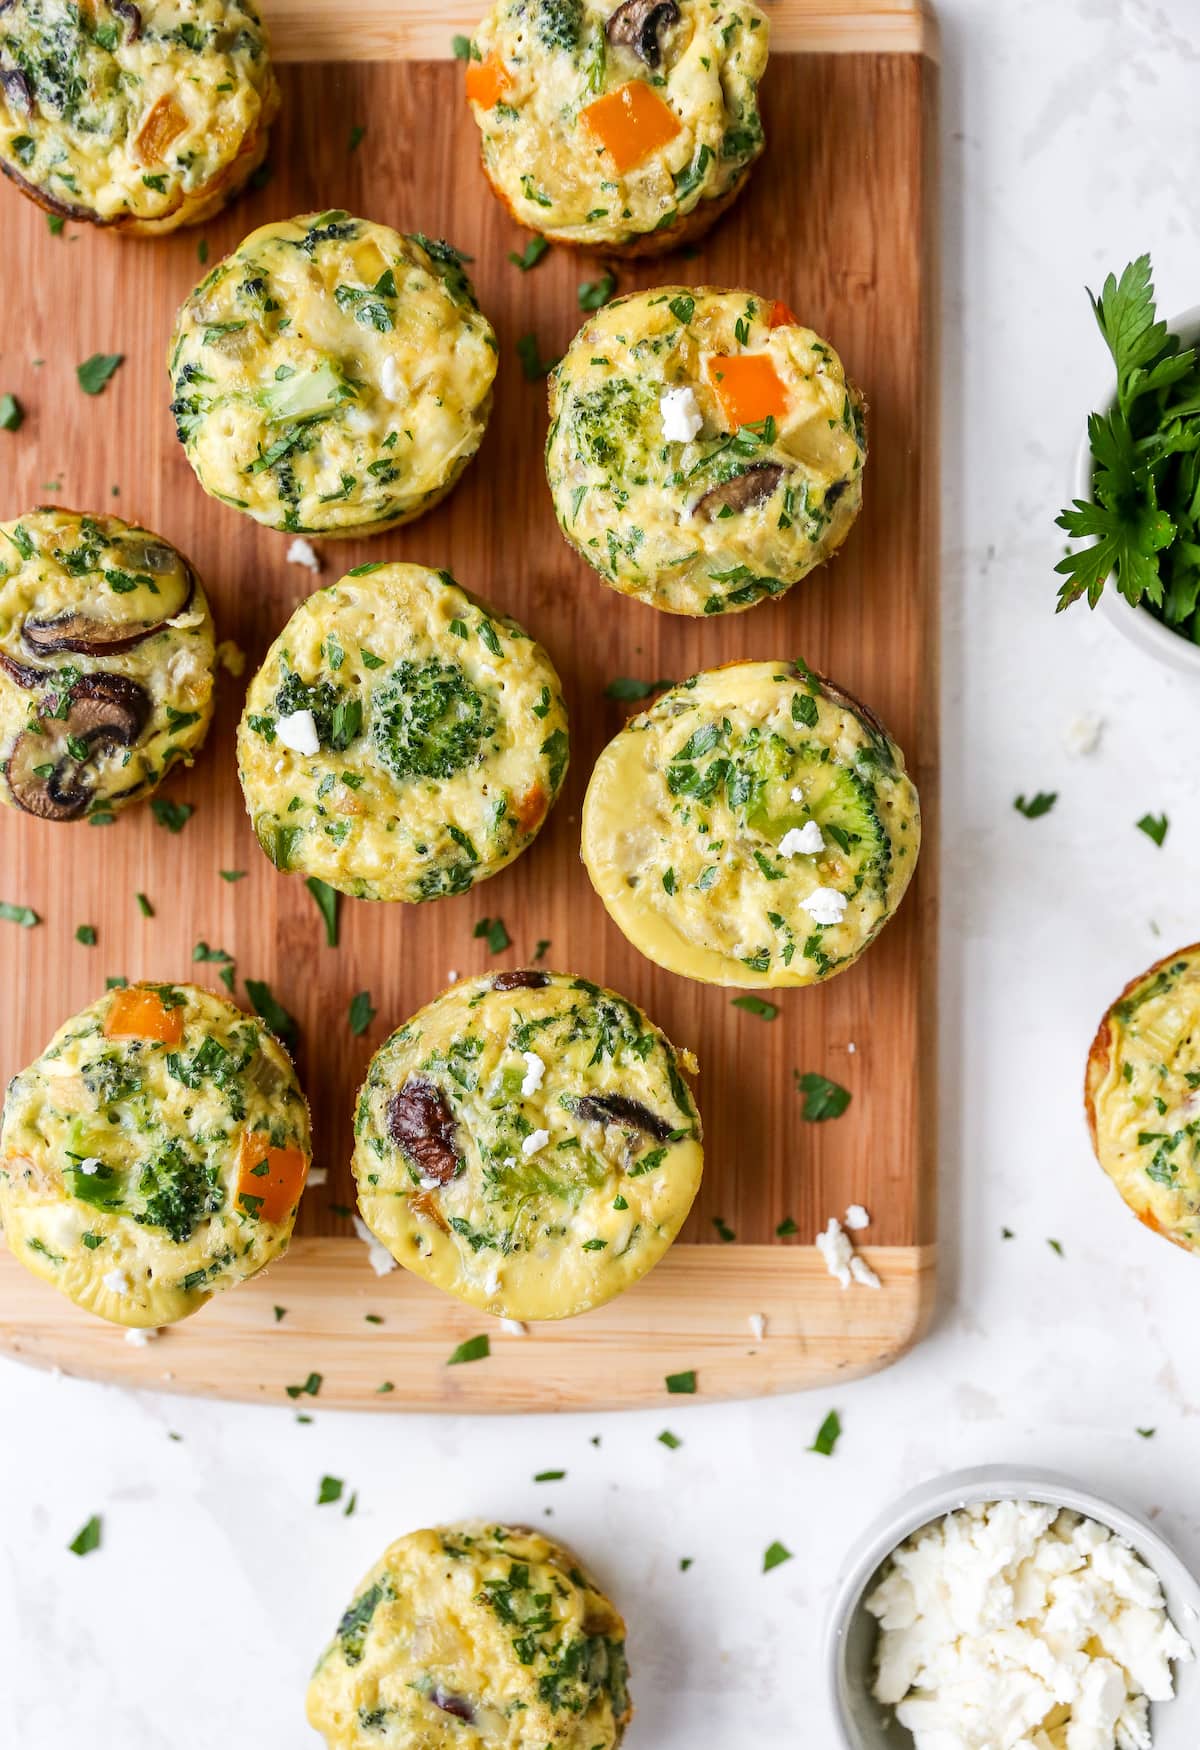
{"points": [[527, 1142], [402, 740], [625, 128], [143, 116], [331, 376], [474, 1636], [705, 450], [106, 663], [754, 827], [1142, 1096], [153, 1154]]}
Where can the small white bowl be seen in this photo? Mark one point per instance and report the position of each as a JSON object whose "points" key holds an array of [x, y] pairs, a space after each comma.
{"points": [[1139, 624], [850, 1651]]}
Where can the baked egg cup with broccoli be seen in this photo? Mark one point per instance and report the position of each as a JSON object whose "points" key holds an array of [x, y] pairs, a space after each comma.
{"points": [[141, 118], [624, 128], [527, 1142], [474, 1636], [705, 449], [106, 663], [755, 827], [332, 377], [402, 740], [1142, 1096], [153, 1154]]}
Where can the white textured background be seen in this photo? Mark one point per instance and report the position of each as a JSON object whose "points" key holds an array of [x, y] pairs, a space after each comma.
{"points": [[1068, 147]]}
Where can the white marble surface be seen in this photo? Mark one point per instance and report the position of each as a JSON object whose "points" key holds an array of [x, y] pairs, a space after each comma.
{"points": [[1068, 147]]}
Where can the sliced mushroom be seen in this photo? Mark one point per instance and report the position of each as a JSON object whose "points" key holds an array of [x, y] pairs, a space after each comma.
{"points": [[620, 1109], [458, 1705], [45, 773], [29, 678], [839, 696], [638, 25], [130, 13], [525, 979], [421, 1123], [17, 89], [754, 485], [89, 635], [51, 203]]}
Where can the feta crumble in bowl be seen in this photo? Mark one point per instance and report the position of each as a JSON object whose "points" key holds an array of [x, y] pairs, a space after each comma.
{"points": [[1019, 1588]]}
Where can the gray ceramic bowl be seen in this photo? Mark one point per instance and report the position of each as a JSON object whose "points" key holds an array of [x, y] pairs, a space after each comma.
{"points": [[850, 1654]]}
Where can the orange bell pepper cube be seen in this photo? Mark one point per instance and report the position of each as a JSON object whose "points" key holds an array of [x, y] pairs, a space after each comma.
{"points": [[781, 316], [139, 1013], [270, 1180], [631, 123], [748, 387], [161, 128], [488, 81]]}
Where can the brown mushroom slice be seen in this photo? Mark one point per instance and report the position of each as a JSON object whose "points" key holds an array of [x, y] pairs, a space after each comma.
{"points": [[638, 25], [620, 1109], [46, 772], [421, 1124], [524, 978], [754, 485], [29, 678], [131, 14], [164, 596]]}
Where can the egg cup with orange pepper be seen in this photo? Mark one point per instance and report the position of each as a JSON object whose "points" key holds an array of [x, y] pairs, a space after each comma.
{"points": [[706, 450], [153, 1154], [402, 740], [627, 128], [143, 118]]}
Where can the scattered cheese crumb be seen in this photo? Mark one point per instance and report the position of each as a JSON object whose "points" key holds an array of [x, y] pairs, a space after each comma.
{"points": [[534, 1141], [856, 1217], [389, 378], [863, 1273], [514, 1327], [825, 905], [801, 841], [835, 1248], [681, 415], [535, 1071], [116, 1282], [139, 1337], [1082, 735], [452, 977], [90, 1164], [852, 1048], [318, 1175], [302, 552], [797, 793], [378, 1256], [298, 731], [492, 1284], [758, 1326]]}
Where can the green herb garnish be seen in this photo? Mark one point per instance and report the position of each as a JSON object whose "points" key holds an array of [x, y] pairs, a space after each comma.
{"points": [[822, 1098]]}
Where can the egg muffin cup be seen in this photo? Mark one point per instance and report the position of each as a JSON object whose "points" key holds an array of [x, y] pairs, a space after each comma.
{"points": [[755, 827], [138, 118], [106, 663], [402, 740], [705, 450], [1142, 1096], [153, 1154], [332, 377], [471, 1636], [528, 1143], [622, 128]]}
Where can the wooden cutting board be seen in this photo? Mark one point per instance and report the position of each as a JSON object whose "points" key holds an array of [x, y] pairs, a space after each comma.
{"points": [[840, 221]]}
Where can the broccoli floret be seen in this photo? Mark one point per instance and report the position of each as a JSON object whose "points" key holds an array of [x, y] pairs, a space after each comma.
{"points": [[448, 264], [178, 1192], [337, 718], [428, 721], [559, 23], [304, 395], [606, 420]]}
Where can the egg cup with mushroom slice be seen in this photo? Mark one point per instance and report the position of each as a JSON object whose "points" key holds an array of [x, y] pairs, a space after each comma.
{"points": [[705, 450], [106, 663], [140, 118], [755, 827], [332, 377], [1141, 1096], [528, 1143], [402, 740], [625, 128], [474, 1635], [153, 1154]]}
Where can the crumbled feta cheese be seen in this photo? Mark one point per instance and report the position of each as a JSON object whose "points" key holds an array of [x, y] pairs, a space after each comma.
{"points": [[856, 1217], [834, 1246], [534, 1141], [302, 552], [825, 905], [452, 977], [535, 1071], [514, 1327], [852, 1048], [298, 731], [389, 378], [116, 1282], [1004, 1614], [1082, 735], [863, 1273], [378, 1256], [90, 1164], [317, 1175], [758, 1326], [801, 841], [491, 1285], [797, 794], [139, 1336], [681, 415]]}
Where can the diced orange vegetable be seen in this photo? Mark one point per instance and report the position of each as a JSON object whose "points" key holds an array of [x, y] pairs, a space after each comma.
{"points": [[631, 123], [164, 124], [138, 1013], [270, 1180], [781, 316], [488, 81], [748, 387]]}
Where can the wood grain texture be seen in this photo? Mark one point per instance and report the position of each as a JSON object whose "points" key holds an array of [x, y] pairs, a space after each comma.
{"points": [[838, 220], [421, 30]]}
